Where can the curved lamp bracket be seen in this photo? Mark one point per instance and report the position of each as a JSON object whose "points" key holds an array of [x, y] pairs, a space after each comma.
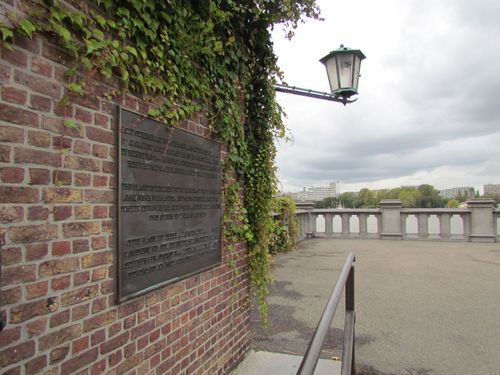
{"points": [[313, 94]]}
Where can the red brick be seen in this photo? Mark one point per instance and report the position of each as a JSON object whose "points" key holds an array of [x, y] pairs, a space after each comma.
{"points": [[38, 213], [115, 343], [18, 274], [29, 44], [80, 246], [99, 242], [100, 181], [58, 266], [142, 329], [39, 103], [62, 195], [100, 151], [82, 147], [82, 179], [9, 336], [64, 110], [59, 337], [32, 233], [55, 53], [101, 120], [60, 248], [27, 155], [99, 274], [13, 95], [81, 278], [100, 212], [83, 115], [10, 214], [27, 311], [99, 321], [37, 290], [59, 318], [93, 260], [108, 167], [130, 349], [98, 196], [36, 365], [5, 153], [59, 354], [15, 56], [83, 212], [18, 116], [18, 194], [38, 84], [98, 367], [36, 327], [10, 296], [12, 175], [62, 144], [80, 344], [115, 358], [80, 229], [79, 295], [39, 138], [99, 305], [17, 353], [11, 134], [98, 337], [100, 135], [132, 362], [10, 256], [81, 163], [60, 283], [36, 251], [86, 100], [40, 66], [5, 72], [56, 125], [62, 212], [79, 312], [39, 176]]}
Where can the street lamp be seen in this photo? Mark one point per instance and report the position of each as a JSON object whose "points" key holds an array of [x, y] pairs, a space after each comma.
{"points": [[342, 67]]}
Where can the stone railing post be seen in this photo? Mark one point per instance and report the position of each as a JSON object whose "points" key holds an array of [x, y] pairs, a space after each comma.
{"points": [[483, 225], [345, 225], [423, 225], [363, 225], [445, 226], [391, 219], [328, 225]]}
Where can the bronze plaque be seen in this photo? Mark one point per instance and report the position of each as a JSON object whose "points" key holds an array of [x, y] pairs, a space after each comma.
{"points": [[169, 204]]}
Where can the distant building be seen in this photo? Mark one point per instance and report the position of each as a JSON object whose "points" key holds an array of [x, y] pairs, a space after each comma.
{"points": [[315, 193], [491, 189], [467, 192]]}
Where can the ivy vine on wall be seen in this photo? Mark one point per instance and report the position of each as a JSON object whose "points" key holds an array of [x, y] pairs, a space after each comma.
{"points": [[197, 54]]}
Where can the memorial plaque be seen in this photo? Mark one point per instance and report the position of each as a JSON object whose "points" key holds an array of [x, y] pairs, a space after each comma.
{"points": [[169, 204]]}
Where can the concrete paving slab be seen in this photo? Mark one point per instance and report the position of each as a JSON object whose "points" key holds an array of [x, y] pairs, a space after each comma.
{"points": [[263, 363], [423, 307]]}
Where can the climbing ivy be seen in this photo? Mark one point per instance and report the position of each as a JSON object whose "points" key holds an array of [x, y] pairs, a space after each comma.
{"points": [[214, 54]]}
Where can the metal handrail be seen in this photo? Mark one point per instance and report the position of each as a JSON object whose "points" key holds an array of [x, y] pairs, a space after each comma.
{"points": [[310, 360]]}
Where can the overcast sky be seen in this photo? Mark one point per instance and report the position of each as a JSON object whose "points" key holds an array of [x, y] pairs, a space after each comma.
{"points": [[429, 96]]}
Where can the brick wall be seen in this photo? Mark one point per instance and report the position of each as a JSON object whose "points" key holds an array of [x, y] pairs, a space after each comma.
{"points": [[57, 252]]}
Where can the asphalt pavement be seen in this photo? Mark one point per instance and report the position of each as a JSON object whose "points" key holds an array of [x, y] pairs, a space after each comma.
{"points": [[423, 307]]}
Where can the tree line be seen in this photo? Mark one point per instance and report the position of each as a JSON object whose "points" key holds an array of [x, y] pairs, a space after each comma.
{"points": [[423, 196]]}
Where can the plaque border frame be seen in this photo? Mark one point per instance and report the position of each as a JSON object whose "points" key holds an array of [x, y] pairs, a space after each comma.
{"points": [[119, 297]]}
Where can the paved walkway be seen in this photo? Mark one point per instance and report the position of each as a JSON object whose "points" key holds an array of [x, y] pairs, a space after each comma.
{"points": [[422, 307]]}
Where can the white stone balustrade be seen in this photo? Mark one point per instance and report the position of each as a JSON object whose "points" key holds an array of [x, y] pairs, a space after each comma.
{"points": [[479, 222]]}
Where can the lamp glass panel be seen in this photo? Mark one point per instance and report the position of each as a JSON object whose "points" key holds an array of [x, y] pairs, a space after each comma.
{"points": [[357, 65], [345, 70], [331, 71]]}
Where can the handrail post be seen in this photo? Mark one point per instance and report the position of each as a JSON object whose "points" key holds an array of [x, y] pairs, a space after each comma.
{"points": [[313, 351], [348, 349]]}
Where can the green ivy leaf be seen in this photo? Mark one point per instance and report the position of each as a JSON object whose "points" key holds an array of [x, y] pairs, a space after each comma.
{"points": [[70, 124], [27, 28]]}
